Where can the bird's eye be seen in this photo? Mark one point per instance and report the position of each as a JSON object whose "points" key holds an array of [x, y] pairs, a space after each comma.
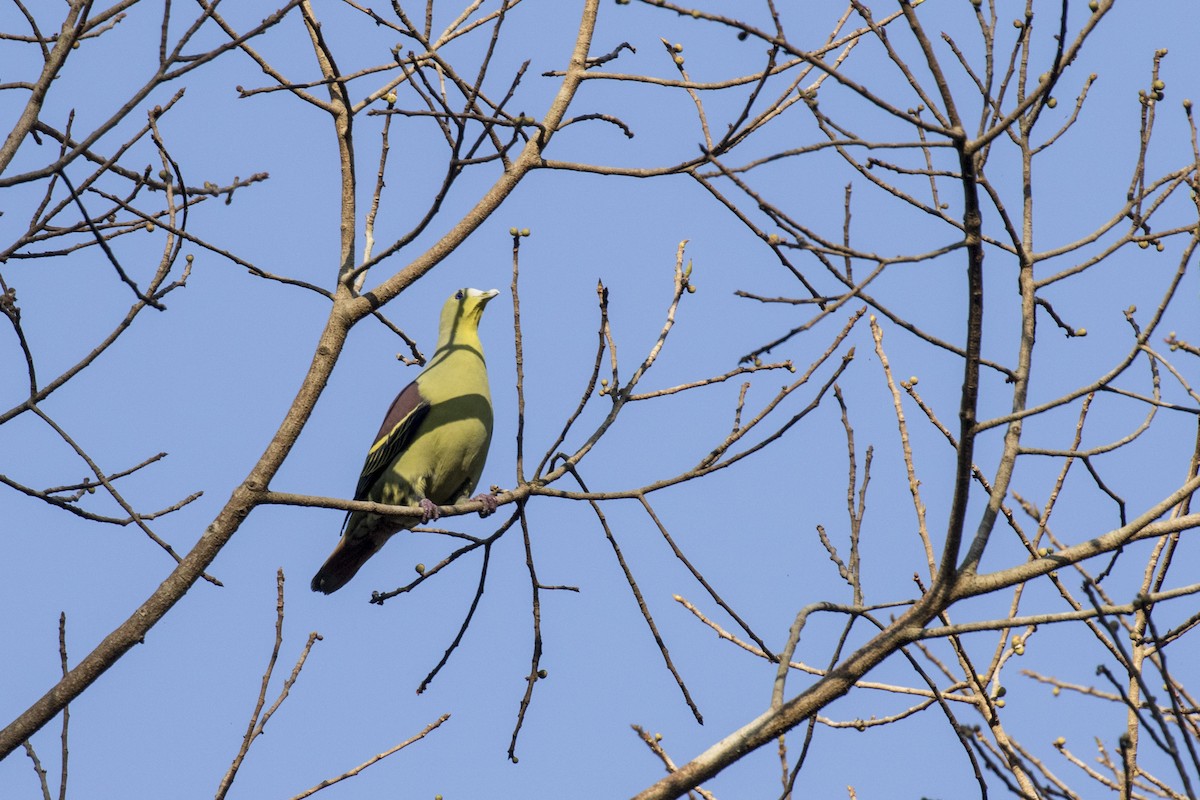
{"points": [[459, 295]]}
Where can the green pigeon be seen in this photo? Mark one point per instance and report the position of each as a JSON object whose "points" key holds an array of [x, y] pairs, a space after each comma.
{"points": [[432, 445]]}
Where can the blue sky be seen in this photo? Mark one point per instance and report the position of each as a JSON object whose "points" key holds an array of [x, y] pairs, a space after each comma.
{"points": [[208, 380]]}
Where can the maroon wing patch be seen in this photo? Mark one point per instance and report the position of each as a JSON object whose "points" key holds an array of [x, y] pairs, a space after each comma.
{"points": [[399, 427]]}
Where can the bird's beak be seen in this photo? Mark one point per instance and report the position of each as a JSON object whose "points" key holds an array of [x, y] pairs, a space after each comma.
{"points": [[482, 295]]}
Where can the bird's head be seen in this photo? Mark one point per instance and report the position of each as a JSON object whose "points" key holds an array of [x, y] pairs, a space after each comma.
{"points": [[463, 311]]}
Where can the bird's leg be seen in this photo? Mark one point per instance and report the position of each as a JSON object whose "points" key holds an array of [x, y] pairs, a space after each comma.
{"points": [[489, 504], [429, 510]]}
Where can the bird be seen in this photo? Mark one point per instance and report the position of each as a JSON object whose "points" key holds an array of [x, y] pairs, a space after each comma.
{"points": [[431, 447]]}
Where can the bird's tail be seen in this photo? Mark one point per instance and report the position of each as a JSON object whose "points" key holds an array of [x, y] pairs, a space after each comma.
{"points": [[345, 560]]}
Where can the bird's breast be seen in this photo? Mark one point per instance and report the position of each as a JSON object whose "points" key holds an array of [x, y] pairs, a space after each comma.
{"points": [[449, 458]]}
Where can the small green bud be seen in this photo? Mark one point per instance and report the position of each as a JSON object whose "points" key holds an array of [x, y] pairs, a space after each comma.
{"points": [[420, 568], [1159, 85], [524, 231], [390, 98], [513, 232], [1078, 332], [1060, 742], [1094, 6], [1051, 102], [541, 673], [691, 288], [677, 47], [679, 61]]}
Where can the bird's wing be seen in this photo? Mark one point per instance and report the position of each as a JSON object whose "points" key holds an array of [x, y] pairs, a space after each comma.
{"points": [[399, 429]]}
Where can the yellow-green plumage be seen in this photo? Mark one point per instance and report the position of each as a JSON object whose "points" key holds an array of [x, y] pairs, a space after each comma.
{"points": [[432, 445]]}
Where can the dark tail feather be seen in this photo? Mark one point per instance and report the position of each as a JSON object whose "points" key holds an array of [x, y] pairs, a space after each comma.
{"points": [[345, 560]]}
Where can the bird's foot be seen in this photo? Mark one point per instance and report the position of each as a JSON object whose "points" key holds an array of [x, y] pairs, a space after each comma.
{"points": [[429, 510], [489, 504]]}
